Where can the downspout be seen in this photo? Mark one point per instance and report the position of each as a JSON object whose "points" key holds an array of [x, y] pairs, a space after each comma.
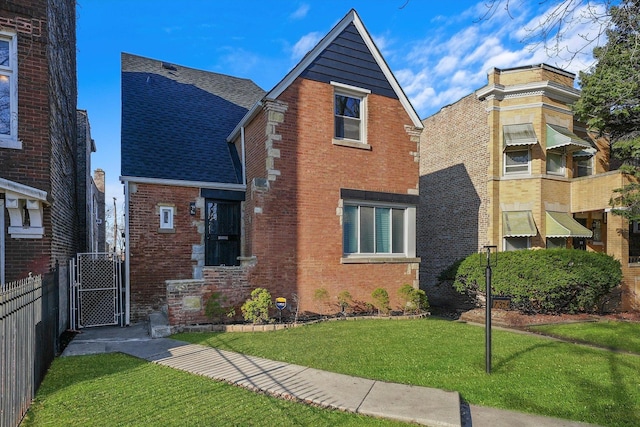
{"points": [[127, 281], [244, 158]]}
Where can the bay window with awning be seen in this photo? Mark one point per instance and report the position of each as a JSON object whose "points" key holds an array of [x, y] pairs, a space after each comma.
{"points": [[560, 142], [517, 229], [560, 226], [517, 142]]}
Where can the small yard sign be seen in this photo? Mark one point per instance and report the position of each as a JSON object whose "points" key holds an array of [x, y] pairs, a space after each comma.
{"points": [[281, 303]]}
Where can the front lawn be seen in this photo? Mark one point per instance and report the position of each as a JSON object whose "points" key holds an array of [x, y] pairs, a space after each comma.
{"points": [[530, 374], [624, 336], [120, 390]]}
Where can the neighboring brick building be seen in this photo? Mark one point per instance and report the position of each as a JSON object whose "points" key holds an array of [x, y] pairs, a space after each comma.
{"points": [[90, 191], [321, 189], [508, 166], [38, 197]]}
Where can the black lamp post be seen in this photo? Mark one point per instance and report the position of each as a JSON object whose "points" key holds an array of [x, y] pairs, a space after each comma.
{"points": [[487, 331]]}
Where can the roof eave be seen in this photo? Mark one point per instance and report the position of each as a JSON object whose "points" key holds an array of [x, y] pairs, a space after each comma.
{"points": [[181, 183], [249, 115]]}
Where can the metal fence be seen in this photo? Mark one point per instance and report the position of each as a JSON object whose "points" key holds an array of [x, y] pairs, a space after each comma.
{"points": [[29, 341]]}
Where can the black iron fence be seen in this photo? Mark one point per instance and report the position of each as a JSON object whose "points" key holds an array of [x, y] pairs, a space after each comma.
{"points": [[29, 341]]}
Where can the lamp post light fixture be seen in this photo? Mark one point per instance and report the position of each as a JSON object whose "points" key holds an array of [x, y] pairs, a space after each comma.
{"points": [[492, 260]]}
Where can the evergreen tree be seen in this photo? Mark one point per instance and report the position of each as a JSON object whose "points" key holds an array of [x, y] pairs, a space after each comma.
{"points": [[610, 100]]}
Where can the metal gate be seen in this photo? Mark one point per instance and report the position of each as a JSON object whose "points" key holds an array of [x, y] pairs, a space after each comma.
{"points": [[96, 290]]}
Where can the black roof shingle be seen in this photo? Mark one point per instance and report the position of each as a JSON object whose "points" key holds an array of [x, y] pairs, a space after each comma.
{"points": [[175, 121]]}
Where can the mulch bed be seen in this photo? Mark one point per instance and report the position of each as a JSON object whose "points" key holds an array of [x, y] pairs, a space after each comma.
{"points": [[515, 319]]}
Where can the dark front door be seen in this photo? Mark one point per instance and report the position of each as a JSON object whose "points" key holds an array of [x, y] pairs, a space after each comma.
{"points": [[580, 242], [222, 240]]}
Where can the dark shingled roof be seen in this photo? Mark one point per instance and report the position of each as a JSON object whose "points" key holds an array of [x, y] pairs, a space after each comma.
{"points": [[175, 121]]}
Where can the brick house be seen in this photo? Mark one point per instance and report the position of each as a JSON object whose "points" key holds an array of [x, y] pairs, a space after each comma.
{"points": [[38, 97], [321, 190], [509, 166]]}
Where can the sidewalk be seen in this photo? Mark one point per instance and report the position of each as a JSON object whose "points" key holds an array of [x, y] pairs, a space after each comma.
{"points": [[421, 405]]}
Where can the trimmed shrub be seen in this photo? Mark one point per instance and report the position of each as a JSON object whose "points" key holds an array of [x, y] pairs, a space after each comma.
{"points": [[548, 281], [256, 309], [414, 300], [344, 301], [215, 307], [381, 300]]}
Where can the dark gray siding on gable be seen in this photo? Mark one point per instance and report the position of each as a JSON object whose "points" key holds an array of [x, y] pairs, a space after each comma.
{"points": [[348, 60]]}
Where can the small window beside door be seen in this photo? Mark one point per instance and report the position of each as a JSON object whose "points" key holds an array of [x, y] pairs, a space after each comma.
{"points": [[166, 219]]}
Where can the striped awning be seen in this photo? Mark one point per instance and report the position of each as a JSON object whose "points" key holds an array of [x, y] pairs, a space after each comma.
{"points": [[518, 224], [561, 137], [562, 224], [521, 134], [588, 152]]}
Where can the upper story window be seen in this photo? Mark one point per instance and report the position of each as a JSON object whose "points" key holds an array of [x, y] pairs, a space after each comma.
{"points": [[555, 163], [350, 113], [517, 161], [8, 92], [583, 166]]}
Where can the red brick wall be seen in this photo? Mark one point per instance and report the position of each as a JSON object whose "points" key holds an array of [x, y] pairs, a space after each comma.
{"points": [[46, 160], [297, 238], [155, 256]]}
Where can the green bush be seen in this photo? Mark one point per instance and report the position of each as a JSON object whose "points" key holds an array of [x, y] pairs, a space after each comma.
{"points": [[215, 309], [344, 301], [413, 300], [544, 281], [256, 308], [381, 300]]}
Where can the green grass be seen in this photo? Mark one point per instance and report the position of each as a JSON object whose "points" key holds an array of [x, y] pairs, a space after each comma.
{"points": [[624, 336], [530, 373], [119, 390]]}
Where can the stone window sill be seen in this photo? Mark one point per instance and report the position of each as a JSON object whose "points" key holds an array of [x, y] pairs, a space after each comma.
{"points": [[378, 260], [351, 144]]}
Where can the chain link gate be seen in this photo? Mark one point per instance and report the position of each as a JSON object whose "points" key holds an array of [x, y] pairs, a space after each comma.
{"points": [[96, 290]]}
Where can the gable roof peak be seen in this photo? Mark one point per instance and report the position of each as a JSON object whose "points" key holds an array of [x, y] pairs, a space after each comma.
{"points": [[351, 17]]}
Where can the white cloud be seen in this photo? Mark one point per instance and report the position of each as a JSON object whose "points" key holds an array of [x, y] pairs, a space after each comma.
{"points": [[383, 44], [300, 12], [305, 44], [453, 60]]}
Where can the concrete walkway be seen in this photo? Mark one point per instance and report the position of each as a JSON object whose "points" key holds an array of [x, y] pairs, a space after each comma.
{"points": [[421, 405]]}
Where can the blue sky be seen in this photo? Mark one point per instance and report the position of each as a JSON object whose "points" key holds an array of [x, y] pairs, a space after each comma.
{"points": [[439, 51]]}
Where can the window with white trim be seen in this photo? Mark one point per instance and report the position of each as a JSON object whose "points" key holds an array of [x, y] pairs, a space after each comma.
{"points": [[374, 230], [8, 92], [517, 161], [350, 113], [583, 166], [166, 217], [555, 163], [516, 243]]}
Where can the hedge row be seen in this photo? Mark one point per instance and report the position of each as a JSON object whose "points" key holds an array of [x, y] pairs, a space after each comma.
{"points": [[542, 281]]}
